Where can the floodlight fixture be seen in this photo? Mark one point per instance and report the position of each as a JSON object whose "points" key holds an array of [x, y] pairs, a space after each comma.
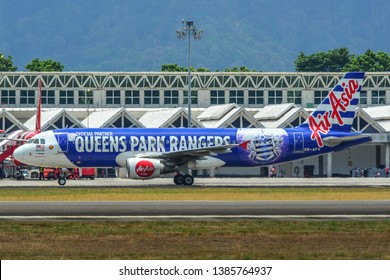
{"points": [[189, 30]]}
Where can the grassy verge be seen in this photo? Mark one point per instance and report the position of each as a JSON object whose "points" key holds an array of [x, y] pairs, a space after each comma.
{"points": [[195, 240], [131, 194]]}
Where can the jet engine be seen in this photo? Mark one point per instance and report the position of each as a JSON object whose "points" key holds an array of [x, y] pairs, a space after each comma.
{"points": [[146, 168]]}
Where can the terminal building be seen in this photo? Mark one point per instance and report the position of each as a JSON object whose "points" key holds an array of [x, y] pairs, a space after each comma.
{"points": [[219, 99]]}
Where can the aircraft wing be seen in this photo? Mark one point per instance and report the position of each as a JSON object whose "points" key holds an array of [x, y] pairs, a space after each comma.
{"points": [[332, 141], [194, 153]]}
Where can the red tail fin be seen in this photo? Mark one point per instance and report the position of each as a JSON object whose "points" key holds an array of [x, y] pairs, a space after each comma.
{"points": [[38, 120]]}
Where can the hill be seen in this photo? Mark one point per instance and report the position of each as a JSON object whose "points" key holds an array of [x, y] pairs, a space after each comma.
{"points": [[122, 35]]}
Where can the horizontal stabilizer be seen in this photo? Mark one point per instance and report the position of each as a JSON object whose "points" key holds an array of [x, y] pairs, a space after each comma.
{"points": [[332, 141]]}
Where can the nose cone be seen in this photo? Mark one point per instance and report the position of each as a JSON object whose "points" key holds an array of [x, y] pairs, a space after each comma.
{"points": [[20, 154]]}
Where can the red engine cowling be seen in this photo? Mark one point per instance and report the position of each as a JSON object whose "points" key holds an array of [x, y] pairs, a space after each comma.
{"points": [[142, 168]]}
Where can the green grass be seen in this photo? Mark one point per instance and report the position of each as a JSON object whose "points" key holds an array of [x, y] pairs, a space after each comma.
{"points": [[131, 194], [195, 240]]}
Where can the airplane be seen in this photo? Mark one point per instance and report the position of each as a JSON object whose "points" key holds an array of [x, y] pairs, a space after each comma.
{"points": [[146, 153], [18, 137]]}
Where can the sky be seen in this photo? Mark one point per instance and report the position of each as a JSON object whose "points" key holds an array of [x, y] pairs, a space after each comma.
{"points": [[126, 35]]}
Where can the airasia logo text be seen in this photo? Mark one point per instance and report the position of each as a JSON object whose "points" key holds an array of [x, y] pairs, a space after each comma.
{"points": [[144, 168], [321, 123]]}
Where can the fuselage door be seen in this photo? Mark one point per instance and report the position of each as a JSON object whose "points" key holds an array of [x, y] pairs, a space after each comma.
{"points": [[298, 142], [62, 139]]}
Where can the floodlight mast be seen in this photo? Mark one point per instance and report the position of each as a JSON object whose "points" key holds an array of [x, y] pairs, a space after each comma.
{"points": [[189, 30]]}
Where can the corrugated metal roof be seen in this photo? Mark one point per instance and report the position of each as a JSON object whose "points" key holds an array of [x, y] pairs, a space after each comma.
{"points": [[219, 122], [46, 117], [385, 124], [216, 112], [158, 117], [100, 118], [50, 116], [378, 112], [282, 120], [273, 112], [14, 120]]}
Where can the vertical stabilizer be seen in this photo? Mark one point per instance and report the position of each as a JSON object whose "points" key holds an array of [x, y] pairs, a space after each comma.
{"points": [[337, 110]]}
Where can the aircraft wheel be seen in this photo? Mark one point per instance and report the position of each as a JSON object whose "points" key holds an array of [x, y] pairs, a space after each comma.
{"points": [[188, 180], [62, 181], [178, 179]]}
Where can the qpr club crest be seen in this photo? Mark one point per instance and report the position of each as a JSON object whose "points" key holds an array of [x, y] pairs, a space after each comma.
{"points": [[144, 168], [265, 147]]}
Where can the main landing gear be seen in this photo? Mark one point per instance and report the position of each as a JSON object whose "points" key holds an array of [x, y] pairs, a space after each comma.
{"points": [[61, 180], [186, 179]]}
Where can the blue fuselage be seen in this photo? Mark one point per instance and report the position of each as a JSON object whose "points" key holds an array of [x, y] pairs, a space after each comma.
{"points": [[103, 147]]}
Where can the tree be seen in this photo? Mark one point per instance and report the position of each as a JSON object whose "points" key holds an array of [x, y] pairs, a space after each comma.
{"points": [[48, 65], [369, 62], [332, 61], [177, 68], [201, 69], [173, 68], [6, 64], [236, 69]]}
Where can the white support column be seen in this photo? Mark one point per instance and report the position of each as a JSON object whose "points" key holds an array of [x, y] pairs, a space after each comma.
{"points": [[329, 165], [387, 155]]}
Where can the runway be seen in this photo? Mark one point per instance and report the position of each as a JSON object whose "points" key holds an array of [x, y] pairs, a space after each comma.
{"points": [[196, 210], [202, 182], [199, 210]]}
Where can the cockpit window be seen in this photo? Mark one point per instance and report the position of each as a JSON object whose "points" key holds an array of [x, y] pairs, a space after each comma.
{"points": [[36, 141]]}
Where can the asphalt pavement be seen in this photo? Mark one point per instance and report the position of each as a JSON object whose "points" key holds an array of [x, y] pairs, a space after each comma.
{"points": [[202, 182]]}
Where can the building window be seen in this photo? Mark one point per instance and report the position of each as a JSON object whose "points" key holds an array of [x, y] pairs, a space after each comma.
{"points": [[363, 97], [66, 97], [48, 97], [152, 97], [378, 97], [8, 97], [236, 96], [132, 97], [194, 97], [275, 97], [27, 97], [217, 97], [85, 97], [294, 96], [113, 97], [171, 97], [256, 97], [319, 95]]}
